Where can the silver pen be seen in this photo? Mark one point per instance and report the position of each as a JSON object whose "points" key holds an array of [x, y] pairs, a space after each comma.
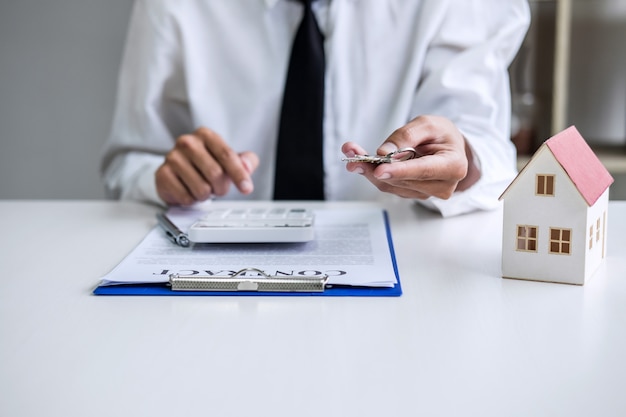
{"points": [[172, 231]]}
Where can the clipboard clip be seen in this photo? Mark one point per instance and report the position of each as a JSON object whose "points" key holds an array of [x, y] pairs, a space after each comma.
{"points": [[261, 282]]}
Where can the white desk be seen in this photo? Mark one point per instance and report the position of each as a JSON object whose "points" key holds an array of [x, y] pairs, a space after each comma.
{"points": [[461, 341]]}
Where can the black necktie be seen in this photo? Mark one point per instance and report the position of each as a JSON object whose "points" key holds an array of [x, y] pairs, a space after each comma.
{"points": [[299, 164]]}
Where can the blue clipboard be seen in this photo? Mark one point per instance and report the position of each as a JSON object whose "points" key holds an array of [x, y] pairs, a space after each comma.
{"points": [[163, 289]]}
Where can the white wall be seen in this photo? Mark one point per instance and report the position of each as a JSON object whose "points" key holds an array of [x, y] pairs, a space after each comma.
{"points": [[58, 68]]}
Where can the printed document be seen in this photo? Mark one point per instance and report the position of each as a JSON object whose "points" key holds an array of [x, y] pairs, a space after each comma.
{"points": [[352, 246]]}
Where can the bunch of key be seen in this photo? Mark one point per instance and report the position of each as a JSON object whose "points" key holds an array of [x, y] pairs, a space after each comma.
{"points": [[402, 154]]}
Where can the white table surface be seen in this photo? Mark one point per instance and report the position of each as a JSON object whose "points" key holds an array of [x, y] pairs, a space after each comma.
{"points": [[460, 341]]}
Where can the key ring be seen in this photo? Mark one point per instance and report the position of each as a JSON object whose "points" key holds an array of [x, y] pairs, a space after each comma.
{"points": [[410, 153]]}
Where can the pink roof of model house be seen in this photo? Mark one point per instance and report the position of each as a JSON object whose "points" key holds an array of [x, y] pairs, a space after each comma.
{"points": [[582, 165]]}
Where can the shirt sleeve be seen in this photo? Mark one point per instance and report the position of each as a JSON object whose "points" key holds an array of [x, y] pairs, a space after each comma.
{"points": [[466, 80], [151, 107]]}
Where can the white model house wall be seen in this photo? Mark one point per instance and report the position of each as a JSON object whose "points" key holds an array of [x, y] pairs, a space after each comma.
{"points": [[566, 209]]}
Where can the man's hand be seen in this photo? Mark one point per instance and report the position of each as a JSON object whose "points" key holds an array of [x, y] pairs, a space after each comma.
{"points": [[201, 164], [443, 164]]}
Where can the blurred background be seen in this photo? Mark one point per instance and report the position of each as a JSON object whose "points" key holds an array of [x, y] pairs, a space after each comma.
{"points": [[59, 62], [58, 72], [571, 70]]}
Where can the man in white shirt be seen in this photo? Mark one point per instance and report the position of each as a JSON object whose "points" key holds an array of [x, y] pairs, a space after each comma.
{"points": [[201, 86]]}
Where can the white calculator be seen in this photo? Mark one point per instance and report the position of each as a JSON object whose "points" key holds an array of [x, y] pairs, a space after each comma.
{"points": [[253, 225]]}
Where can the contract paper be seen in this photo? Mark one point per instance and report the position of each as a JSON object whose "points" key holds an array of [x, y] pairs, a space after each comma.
{"points": [[351, 246]]}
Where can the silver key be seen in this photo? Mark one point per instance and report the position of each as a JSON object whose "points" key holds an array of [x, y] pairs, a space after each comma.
{"points": [[395, 156]]}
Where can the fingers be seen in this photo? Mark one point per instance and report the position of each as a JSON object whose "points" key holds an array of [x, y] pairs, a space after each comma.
{"points": [[427, 135], [202, 164], [430, 175], [250, 161], [170, 188], [350, 149], [441, 163], [195, 167], [217, 162]]}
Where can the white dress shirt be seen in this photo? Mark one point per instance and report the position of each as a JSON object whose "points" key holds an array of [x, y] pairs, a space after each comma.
{"points": [[222, 64]]}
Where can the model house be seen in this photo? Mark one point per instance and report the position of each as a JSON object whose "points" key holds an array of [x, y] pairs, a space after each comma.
{"points": [[555, 213]]}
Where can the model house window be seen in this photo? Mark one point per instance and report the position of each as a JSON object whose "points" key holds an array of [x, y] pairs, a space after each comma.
{"points": [[591, 237], [560, 241], [598, 230], [527, 238], [545, 185]]}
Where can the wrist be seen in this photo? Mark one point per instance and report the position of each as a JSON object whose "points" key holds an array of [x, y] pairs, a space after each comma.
{"points": [[473, 169]]}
